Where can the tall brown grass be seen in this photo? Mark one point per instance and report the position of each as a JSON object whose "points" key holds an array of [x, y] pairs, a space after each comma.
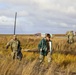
{"points": [[63, 56]]}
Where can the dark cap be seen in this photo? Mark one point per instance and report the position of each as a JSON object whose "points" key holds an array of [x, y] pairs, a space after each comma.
{"points": [[48, 35]]}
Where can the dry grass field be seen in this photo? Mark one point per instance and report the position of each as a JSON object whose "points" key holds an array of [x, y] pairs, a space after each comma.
{"points": [[63, 57]]}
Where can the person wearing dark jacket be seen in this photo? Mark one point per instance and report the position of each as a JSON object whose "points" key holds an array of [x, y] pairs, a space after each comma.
{"points": [[45, 48]]}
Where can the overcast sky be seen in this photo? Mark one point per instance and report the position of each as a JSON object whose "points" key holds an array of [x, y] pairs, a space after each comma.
{"points": [[35, 16]]}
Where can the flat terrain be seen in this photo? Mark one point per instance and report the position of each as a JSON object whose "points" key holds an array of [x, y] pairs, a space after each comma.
{"points": [[63, 57]]}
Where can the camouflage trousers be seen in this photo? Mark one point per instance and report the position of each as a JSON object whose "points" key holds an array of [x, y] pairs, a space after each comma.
{"points": [[70, 39], [41, 57], [14, 54]]}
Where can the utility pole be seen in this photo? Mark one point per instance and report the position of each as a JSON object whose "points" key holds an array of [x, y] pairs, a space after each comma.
{"points": [[15, 23]]}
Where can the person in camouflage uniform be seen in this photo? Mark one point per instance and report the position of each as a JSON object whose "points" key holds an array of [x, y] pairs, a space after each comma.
{"points": [[15, 47], [45, 48], [70, 35]]}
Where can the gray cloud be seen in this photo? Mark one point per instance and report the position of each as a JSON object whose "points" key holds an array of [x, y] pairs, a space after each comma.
{"points": [[39, 15]]}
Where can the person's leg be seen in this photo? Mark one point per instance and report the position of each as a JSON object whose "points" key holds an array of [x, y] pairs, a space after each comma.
{"points": [[20, 55], [16, 54], [49, 53], [41, 57], [49, 57], [13, 55], [71, 40]]}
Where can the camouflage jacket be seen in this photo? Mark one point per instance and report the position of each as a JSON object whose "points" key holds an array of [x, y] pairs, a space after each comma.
{"points": [[15, 44]]}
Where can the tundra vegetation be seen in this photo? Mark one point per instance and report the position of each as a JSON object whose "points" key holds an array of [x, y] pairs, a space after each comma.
{"points": [[63, 57]]}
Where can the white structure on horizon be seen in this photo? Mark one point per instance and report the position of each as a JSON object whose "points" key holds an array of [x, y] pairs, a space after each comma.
{"points": [[51, 35], [43, 34]]}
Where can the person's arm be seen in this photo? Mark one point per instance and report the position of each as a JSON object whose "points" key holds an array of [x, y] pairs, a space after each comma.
{"points": [[40, 45], [8, 44]]}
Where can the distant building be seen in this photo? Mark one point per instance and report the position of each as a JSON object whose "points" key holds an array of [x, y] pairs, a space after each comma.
{"points": [[38, 34], [44, 34]]}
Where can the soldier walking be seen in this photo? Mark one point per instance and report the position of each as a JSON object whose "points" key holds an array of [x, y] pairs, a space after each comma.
{"points": [[15, 47], [70, 35]]}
